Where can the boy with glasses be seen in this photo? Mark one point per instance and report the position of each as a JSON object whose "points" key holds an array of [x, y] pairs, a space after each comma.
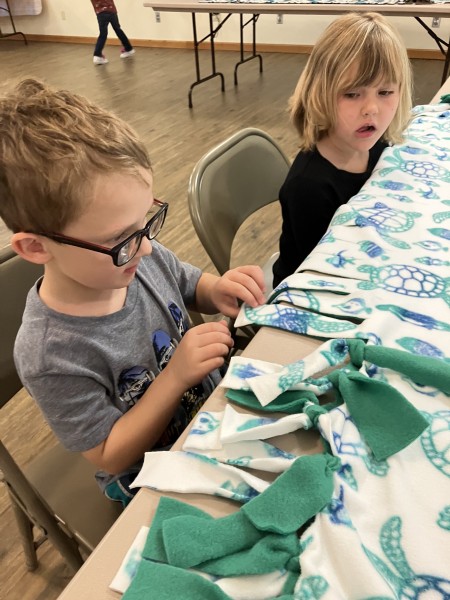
{"points": [[105, 347]]}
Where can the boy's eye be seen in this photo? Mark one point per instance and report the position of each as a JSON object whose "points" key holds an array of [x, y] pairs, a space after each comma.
{"points": [[119, 238]]}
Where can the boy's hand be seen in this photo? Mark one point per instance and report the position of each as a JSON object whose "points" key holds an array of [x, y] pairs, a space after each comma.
{"points": [[243, 283], [202, 349]]}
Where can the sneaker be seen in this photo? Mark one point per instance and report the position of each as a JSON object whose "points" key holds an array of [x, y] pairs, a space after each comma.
{"points": [[125, 54], [100, 60]]}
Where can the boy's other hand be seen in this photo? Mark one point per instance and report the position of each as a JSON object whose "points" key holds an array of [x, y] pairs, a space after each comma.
{"points": [[202, 349], [243, 283]]}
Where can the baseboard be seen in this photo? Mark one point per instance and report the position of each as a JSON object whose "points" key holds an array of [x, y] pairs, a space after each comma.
{"points": [[226, 46]]}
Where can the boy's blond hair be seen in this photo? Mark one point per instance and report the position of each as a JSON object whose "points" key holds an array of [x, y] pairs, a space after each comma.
{"points": [[53, 143], [367, 42]]}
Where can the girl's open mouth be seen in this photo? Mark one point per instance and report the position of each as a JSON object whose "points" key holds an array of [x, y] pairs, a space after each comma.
{"points": [[366, 129]]}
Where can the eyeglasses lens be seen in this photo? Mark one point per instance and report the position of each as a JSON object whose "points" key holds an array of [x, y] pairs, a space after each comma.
{"points": [[130, 249], [156, 225]]}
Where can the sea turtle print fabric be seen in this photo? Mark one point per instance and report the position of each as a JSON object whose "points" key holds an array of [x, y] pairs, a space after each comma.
{"points": [[379, 276]]}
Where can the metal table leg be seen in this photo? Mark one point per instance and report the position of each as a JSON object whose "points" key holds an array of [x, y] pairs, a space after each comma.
{"points": [[210, 36], [14, 31], [444, 47], [253, 55]]}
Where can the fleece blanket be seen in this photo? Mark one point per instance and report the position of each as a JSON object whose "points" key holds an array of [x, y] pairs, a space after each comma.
{"points": [[380, 277], [377, 524]]}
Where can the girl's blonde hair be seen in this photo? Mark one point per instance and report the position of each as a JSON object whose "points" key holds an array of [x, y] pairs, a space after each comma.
{"points": [[367, 42], [53, 145]]}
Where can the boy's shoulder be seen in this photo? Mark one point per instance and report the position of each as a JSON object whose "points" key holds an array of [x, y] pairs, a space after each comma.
{"points": [[164, 273], [160, 261]]}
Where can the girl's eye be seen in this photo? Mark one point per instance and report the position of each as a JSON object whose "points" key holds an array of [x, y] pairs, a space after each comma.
{"points": [[351, 94], [386, 92]]}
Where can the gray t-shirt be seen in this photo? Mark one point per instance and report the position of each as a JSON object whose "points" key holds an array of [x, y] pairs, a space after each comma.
{"points": [[85, 372]]}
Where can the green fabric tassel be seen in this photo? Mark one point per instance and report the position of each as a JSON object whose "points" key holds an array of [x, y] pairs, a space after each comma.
{"points": [[273, 552], [269, 553], [385, 419], [300, 493], [287, 504], [190, 541], [157, 581], [291, 402], [168, 508], [420, 369]]}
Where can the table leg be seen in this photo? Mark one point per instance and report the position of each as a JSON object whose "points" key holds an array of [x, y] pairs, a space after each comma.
{"points": [[211, 35], [253, 55], [444, 47], [446, 64], [14, 31]]}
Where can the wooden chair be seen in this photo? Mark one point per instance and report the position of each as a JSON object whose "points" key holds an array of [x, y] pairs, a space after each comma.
{"points": [[57, 493]]}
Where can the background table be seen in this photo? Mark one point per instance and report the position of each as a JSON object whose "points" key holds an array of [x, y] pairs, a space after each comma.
{"points": [[6, 11], [253, 10]]}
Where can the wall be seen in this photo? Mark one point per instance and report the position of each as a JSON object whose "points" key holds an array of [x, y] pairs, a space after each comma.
{"points": [[69, 18]]}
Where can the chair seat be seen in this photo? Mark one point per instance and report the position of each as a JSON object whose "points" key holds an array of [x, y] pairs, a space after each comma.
{"points": [[66, 481]]}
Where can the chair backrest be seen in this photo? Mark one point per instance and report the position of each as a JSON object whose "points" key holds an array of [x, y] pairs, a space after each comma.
{"points": [[17, 277], [228, 184]]}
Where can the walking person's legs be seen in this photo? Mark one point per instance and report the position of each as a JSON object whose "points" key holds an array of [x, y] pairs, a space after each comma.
{"points": [[103, 22], [128, 49]]}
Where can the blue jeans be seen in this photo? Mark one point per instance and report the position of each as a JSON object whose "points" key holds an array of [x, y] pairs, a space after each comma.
{"points": [[104, 19]]}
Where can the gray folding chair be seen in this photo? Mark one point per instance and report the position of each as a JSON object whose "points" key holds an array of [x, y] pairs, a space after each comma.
{"points": [[57, 493], [242, 174]]}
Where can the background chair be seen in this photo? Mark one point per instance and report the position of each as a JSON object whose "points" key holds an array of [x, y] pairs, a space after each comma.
{"points": [[229, 183], [57, 493]]}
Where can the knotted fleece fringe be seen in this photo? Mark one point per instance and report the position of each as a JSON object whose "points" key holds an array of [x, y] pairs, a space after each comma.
{"points": [[259, 538], [387, 421]]}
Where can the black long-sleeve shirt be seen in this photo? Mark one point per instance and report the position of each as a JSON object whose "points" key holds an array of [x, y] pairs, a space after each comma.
{"points": [[312, 192]]}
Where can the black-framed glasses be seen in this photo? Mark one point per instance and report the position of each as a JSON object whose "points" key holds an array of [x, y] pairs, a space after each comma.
{"points": [[126, 250]]}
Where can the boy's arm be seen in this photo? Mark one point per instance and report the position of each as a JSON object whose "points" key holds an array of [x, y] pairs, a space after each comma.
{"points": [[202, 349], [222, 294]]}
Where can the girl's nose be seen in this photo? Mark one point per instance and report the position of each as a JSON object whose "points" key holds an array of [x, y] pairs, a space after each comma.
{"points": [[370, 108]]}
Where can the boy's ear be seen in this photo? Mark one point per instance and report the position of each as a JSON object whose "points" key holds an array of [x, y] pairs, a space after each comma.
{"points": [[31, 247]]}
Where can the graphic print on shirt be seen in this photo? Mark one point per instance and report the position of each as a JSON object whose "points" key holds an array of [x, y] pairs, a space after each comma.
{"points": [[134, 382]]}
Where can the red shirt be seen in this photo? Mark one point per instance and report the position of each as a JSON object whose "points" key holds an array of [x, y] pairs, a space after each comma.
{"points": [[104, 6]]}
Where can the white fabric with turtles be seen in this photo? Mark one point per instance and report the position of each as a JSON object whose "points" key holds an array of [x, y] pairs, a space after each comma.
{"points": [[380, 278]]}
